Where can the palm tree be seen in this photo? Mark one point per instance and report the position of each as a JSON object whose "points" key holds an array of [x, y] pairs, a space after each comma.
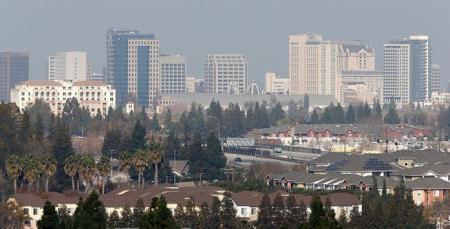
{"points": [[155, 157], [71, 168], [140, 162], [47, 167], [13, 168], [104, 167], [125, 162], [87, 170], [31, 170]]}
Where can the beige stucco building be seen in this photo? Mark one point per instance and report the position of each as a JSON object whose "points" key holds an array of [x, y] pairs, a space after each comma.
{"points": [[94, 95], [314, 65]]}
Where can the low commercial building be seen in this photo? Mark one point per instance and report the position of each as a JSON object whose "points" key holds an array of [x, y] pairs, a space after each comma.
{"points": [[359, 86], [277, 85], [95, 96]]}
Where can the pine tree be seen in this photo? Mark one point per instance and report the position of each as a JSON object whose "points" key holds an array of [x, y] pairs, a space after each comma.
{"points": [[138, 211], [158, 216], [265, 213], [154, 123], [315, 118], [203, 216], [377, 110], [90, 213], [278, 211], [214, 216], [138, 139], [50, 218], [350, 115], [62, 148], [127, 219], [392, 117], [338, 115], [228, 213], [113, 220]]}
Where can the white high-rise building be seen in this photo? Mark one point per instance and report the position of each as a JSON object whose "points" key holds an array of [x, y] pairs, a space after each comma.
{"points": [[277, 85], [173, 74], [67, 66], [407, 70], [357, 56], [435, 78], [314, 65], [226, 74]]}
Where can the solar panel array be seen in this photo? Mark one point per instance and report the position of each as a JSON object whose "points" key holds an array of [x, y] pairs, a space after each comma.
{"points": [[375, 164]]}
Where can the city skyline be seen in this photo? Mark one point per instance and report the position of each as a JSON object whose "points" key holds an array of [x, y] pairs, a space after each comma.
{"points": [[265, 45]]}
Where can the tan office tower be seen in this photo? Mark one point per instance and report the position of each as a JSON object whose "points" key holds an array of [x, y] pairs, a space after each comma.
{"points": [[314, 65]]}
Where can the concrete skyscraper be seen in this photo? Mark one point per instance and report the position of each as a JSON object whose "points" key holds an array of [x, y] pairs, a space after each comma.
{"points": [[14, 68], [314, 65], [407, 70], [67, 66], [173, 74], [226, 74], [133, 66]]}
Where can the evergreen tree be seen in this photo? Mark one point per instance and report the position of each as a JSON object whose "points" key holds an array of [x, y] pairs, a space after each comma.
{"points": [[138, 211], [350, 115], [214, 216], [25, 131], [338, 115], [392, 117], [265, 213], [112, 142], [278, 210], [138, 139], [276, 114], [154, 123], [203, 216], [306, 102], [62, 148], [90, 213], [315, 118], [293, 112], [168, 119], [113, 220], [66, 220], [127, 219], [377, 110], [158, 216], [228, 213], [50, 218]]}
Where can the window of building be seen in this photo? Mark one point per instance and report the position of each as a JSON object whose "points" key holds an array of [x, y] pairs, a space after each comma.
{"points": [[435, 192], [253, 211], [243, 211], [35, 211]]}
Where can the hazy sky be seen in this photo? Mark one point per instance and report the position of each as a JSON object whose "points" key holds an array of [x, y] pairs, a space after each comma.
{"points": [[257, 28]]}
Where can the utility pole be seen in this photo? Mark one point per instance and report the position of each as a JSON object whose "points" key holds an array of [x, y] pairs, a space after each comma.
{"points": [[173, 169], [200, 174]]}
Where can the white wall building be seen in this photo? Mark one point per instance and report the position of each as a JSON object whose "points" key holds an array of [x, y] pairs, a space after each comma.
{"points": [[314, 65], [226, 74], [94, 95], [435, 78], [357, 56], [277, 85], [67, 66], [396, 72], [173, 74], [362, 86], [190, 84]]}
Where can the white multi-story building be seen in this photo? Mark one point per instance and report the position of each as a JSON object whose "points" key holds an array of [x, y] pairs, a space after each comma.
{"points": [[67, 66], [277, 85], [173, 74], [226, 74], [362, 86], [96, 96], [396, 72], [435, 78], [190, 84], [407, 70], [314, 65]]}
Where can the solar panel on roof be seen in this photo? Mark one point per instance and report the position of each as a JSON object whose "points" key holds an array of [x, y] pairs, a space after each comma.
{"points": [[375, 164]]}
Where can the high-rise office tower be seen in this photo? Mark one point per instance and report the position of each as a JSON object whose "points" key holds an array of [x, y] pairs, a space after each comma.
{"points": [[14, 68], [435, 78], [67, 66], [133, 66], [314, 65], [407, 70], [226, 74], [173, 74]]}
